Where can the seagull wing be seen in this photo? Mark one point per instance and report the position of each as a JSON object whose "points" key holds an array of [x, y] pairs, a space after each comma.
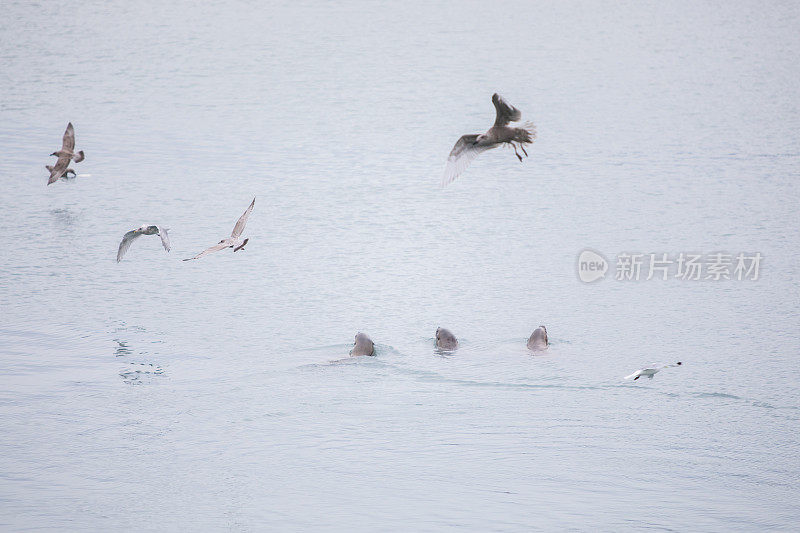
{"points": [[127, 239], [216, 248], [634, 375], [68, 144], [505, 112], [461, 156], [240, 224], [59, 169], [162, 232]]}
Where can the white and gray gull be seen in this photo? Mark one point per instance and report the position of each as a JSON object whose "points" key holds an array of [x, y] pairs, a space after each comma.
{"points": [[234, 241], [650, 371], [468, 147], [145, 229]]}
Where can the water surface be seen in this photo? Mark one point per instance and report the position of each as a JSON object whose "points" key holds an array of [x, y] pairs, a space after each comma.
{"points": [[161, 395]]}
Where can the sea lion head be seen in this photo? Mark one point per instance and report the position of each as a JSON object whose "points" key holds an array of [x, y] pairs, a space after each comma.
{"points": [[445, 340], [538, 339], [363, 345]]}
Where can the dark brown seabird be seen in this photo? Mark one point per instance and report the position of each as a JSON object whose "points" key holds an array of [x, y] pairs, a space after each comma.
{"points": [[470, 146], [65, 155]]}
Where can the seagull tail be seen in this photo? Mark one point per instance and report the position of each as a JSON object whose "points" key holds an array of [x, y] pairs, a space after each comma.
{"points": [[78, 157], [526, 134], [632, 376]]}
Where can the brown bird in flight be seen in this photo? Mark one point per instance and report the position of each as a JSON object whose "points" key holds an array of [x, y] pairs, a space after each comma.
{"points": [[470, 146], [64, 156]]}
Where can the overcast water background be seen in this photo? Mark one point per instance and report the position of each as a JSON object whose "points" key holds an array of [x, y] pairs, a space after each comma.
{"points": [[161, 395]]}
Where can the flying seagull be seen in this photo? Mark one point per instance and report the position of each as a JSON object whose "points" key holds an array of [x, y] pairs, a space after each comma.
{"points": [[64, 155], [133, 234], [650, 371], [233, 241], [470, 146]]}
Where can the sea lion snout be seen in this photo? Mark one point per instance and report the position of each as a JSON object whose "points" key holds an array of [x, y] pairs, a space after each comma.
{"points": [[538, 339], [363, 345], [445, 340]]}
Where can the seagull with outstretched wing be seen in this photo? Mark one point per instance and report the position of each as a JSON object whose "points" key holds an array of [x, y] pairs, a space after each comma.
{"points": [[650, 371], [64, 156], [234, 241], [145, 229], [64, 175], [468, 147]]}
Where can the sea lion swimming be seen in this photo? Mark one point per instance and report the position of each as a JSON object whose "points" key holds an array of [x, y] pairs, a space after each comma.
{"points": [[445, 340], [538, 339], [363, 345]]}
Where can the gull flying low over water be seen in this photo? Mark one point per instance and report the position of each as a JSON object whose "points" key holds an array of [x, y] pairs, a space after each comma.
{"points": [[132, 235], [64, 156], [650, 371], [233, 241], [468, 147]]}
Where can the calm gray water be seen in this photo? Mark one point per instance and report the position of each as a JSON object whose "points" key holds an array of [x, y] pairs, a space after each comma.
{"points": [[161, 395]]}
